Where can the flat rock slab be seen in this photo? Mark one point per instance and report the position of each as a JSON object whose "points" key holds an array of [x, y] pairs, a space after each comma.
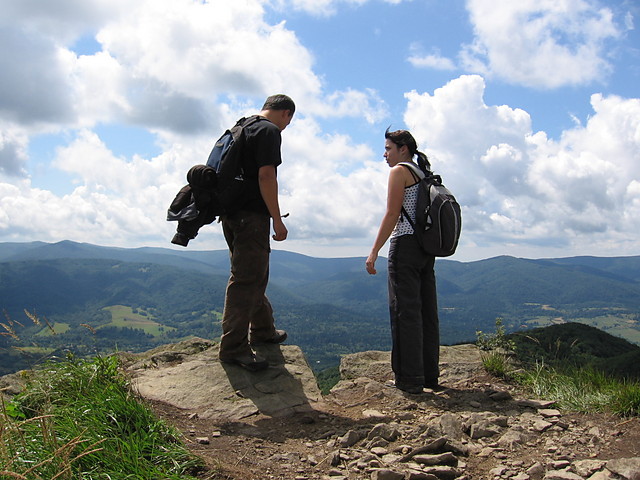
{"points": [[376, 364], [188, 375]]}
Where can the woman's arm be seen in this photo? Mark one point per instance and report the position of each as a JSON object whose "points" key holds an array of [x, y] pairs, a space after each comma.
{"points": [[395, 196]]}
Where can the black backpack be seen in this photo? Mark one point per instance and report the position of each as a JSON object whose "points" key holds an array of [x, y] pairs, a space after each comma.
{"points": [[226, 159], [438, 218], [214, 189]]}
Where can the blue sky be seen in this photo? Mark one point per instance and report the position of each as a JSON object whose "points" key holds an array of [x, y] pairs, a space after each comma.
{"points": [[530, 111]]}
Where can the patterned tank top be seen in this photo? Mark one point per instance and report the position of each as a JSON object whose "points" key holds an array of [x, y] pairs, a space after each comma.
{"points": [[403, 227]]}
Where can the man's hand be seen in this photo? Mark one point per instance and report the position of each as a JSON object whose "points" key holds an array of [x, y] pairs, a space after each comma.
{"points": [[280, 230]]}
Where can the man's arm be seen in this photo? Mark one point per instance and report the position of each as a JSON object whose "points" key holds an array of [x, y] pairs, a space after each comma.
{"points": [[268, 182]]}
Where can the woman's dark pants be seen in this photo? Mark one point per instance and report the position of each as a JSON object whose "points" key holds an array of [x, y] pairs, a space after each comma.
{"points": [[413, 307]]}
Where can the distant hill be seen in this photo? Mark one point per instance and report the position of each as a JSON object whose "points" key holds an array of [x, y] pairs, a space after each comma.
{"points": [[578, 345], [101, 297]]}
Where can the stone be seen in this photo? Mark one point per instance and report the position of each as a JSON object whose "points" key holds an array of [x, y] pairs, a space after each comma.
{"points": [[521, 476], [350, 438], [535, 403], [420, 476], [500, 396], [374, 414], [603, 475], [196, 381], [549, 412], [439, 459], [386, 474], [379, 451], [387, 431], [586, 468], [536, 471], [443, 472], [451, 426], [561, 475], [628, 468], [541, 425], [511, 438], [482, 430]]}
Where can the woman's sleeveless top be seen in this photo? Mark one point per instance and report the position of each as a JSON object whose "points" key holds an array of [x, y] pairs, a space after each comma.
{"points": [[403, 227]]}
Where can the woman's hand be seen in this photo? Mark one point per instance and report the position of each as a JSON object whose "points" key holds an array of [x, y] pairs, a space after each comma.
{"points": [[371, 263]]}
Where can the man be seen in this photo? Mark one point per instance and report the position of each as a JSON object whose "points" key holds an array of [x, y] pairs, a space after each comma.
{"points": [[248, 317]]}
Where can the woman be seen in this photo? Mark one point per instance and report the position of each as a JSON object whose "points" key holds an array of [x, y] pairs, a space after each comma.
{"points": [[412, 285]]}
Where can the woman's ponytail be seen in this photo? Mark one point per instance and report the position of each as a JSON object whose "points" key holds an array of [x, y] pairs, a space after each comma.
{"points": [[423, 162]]}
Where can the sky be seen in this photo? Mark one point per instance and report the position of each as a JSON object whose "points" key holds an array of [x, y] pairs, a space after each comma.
{"points": [[529, 110]]}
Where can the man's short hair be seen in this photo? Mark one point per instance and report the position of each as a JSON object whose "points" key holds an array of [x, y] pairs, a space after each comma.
{"points": [[279, 102]]}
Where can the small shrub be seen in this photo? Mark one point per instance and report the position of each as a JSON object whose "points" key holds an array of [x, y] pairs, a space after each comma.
{"points": [[495, 341], [496, 351]]}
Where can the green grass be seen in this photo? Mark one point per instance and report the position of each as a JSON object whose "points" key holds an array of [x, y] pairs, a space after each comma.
{"points": [[328, 378], [36, 350], [81, 420], [576, 388], [583, 390], [123, 316], [57, 328], [497, 363]]}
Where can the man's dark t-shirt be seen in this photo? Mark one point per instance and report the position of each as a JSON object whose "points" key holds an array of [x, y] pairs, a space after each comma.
{"points": [[262, 148]]}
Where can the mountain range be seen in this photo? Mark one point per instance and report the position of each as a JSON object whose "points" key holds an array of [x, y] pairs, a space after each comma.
{"points": [[84, 298]]}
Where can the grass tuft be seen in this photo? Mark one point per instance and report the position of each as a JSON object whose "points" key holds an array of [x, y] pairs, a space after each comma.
{"points": [[584, 390], [80, 419], [575, 388]]}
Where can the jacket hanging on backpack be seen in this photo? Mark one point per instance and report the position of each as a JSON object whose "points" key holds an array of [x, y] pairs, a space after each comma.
{"points": [[438, 217], [214, 189]]}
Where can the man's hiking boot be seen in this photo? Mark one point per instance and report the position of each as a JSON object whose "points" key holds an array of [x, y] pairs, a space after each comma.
{"points": [[278, 337], [249, 361]]}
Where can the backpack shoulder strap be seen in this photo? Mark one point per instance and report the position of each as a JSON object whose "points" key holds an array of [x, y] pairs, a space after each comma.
{"points": [[246, 121], [418, 175], [414, 169]]}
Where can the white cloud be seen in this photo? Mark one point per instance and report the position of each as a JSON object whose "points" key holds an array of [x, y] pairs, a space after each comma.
{"points": [[331, 187], [203, 49], [540, 43], [432, 60], [164, 65], [118, 201], [349, 104], [179, 68], [323, 181], [175, 68], [61, 22], [27, 62], [13, 156], [519, 187], [321, 8]]}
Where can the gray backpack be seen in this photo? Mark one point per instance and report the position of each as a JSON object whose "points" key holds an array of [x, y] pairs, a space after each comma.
{"points": [[438, 218]]}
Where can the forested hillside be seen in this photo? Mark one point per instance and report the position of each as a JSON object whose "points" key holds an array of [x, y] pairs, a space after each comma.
{"points": [[98, 298], [575, 345]]}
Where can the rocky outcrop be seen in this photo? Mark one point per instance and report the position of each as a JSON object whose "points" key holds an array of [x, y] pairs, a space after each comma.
{"points": [[275, 424], [189, 376], [477, 428]]}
